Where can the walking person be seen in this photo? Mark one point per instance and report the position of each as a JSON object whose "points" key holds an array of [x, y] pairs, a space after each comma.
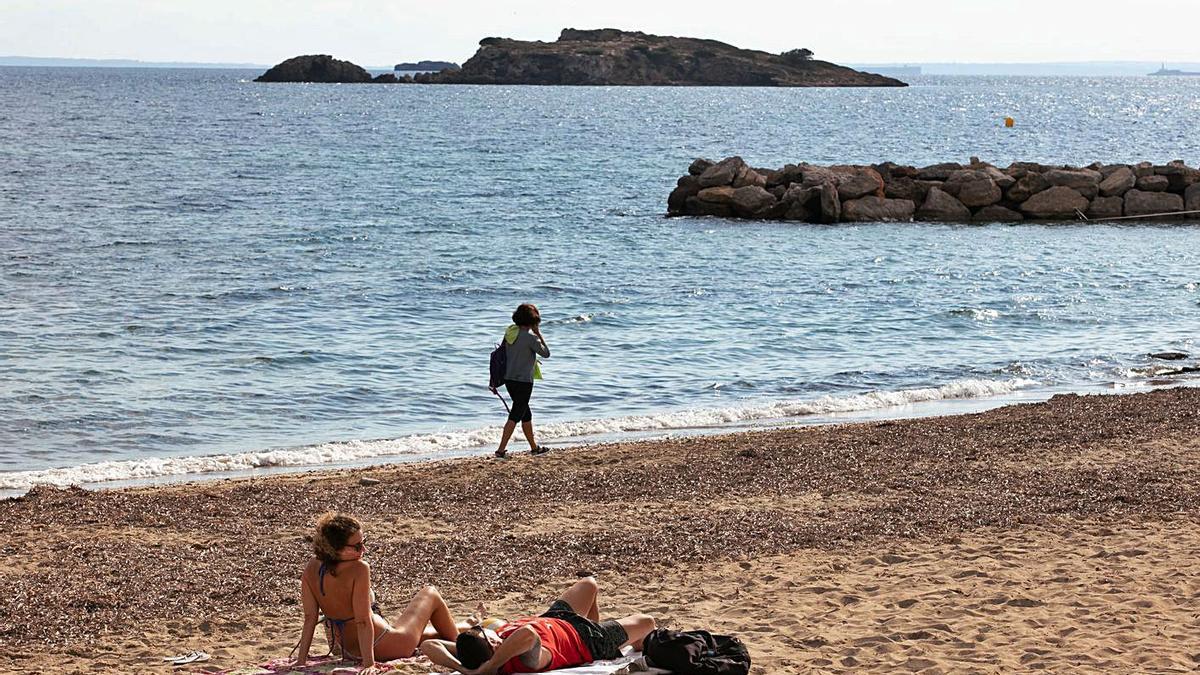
{"points": [[523, 344]]}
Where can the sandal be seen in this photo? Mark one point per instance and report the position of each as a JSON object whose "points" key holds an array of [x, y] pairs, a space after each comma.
{"points": [[540, 450], [501, 454]]}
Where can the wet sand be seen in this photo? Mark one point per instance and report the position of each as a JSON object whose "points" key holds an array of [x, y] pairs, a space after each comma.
{"points": [[1060, 536]]}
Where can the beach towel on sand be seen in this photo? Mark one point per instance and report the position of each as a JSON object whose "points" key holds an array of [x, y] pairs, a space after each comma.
{"points": [[331, 665], [631, 663]]}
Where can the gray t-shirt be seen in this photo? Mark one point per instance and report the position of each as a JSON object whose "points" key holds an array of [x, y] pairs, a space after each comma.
{"points": [[522, 356]]}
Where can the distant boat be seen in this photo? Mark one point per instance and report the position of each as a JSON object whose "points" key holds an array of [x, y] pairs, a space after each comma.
{"points": [[1171, 71]]}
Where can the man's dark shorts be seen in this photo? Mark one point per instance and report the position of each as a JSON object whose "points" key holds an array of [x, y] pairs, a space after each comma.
{"points": [[602, 639]]}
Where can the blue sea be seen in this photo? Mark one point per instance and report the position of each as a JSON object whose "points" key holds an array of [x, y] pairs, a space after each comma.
{"points": [[202, 275]]}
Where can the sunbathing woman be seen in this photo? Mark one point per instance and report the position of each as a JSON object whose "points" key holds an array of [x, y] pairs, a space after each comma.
{"points": [[337, 583]]}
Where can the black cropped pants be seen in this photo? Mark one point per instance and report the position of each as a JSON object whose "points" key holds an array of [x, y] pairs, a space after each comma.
{"points": [[520, 393]]}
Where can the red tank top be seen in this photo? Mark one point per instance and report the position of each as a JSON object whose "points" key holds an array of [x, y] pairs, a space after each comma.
{"points": [[559, 637]]}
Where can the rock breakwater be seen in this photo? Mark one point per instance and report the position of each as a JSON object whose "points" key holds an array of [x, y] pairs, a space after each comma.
{"points": [[949, 192]]}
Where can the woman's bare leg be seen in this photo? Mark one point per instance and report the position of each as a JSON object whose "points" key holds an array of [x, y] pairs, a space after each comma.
{"points": [[426, 608], [527, 429], [509, 427]]}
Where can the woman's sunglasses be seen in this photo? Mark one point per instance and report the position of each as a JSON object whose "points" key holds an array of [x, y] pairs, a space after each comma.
{"points": [[359, 546]]}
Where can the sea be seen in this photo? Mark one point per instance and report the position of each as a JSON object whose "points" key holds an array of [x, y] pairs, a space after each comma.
{"points": [[203, 276]]}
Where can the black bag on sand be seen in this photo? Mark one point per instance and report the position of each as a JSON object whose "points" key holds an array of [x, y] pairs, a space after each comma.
{"points": [[696, 652]]}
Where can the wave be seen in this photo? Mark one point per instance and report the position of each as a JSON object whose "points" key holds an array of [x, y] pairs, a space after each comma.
{"points": [[432, 445]]}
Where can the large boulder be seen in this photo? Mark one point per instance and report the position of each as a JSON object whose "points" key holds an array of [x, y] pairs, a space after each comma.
{"points": [[857, 181], [801, 204], [699, 166], [722, 194], [748, 176], [938, 171], [698, 207], [1140, 203], [1106, 207], [722, 173], [996, 214], [315, 68], [1191, 200], [817, 175], [877, 209], [1002, 179], [1178, 174], [1055, 203], [940, 206], [973, 188], [891, 170], [1119, 181], [831, 206], [1153, 183], [903, 187], [1084, 181], [750, 200], [1107, 170], [1032, 167], [687, 186], [1026, 186], [790, 173]]}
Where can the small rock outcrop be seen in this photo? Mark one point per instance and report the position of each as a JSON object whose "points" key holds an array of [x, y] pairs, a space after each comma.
{"points": [[316, 68], [976, 192], [427, 66], [608, 56]]}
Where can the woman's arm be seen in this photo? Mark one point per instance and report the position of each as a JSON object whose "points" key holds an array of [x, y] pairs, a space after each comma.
{"points": [[312, 612], [540, 344], [364, 618]]}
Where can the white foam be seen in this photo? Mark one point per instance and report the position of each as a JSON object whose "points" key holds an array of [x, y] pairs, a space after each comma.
{"points": [[432, 445]]}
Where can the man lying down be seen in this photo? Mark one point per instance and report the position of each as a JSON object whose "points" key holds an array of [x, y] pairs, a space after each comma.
{"points": [[569, 634]]}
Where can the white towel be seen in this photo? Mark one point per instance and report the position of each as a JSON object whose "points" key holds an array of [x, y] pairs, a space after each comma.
{"points": [[630, 663]]}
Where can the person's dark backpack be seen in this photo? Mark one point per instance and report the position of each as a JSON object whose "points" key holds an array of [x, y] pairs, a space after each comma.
{"points": [[498, 367], [496, 370], [696, 652]]}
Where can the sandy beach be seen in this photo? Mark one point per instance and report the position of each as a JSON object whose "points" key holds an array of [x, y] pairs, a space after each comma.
{"points": [[1057, 536]]}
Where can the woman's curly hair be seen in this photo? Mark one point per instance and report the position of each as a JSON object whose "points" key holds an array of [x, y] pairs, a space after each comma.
{"points": [[527, 315], [333, 531]]}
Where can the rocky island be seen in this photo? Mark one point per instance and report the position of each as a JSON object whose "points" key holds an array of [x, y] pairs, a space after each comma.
{"points": [[315, 68], [609, 56], [947, 192], [427, 66], [605, 56]]}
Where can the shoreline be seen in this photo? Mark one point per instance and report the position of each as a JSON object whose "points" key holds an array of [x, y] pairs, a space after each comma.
{"points": [[987, 540], [928, 407]]}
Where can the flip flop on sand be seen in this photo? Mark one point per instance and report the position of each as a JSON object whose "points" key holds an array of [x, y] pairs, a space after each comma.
{"points": [[501, 454], [185, 659], [540, 450]]}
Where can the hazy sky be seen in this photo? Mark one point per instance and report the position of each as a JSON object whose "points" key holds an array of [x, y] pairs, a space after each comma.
{"points": [[382, 32]]}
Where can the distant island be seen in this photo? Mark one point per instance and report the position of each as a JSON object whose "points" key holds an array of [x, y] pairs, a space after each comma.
{"points": [[1165, 71], [605, 56], [427, 66], [318, 68], [608, 56]]}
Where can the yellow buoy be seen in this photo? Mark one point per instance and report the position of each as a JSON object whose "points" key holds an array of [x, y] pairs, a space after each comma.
{"points": [[1009, 122]]}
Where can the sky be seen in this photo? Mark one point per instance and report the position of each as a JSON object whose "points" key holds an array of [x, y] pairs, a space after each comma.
{"points": [[383, 32]]}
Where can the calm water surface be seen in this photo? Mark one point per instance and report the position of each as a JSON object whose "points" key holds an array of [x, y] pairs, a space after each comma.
{"points": [[202, 273]]}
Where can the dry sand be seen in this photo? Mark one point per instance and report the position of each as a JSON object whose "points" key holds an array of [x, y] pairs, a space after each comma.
{"points": [[1060, 536]]}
